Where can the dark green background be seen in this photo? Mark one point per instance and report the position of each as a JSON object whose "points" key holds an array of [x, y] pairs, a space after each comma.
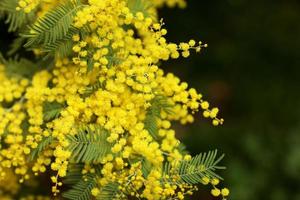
{"points": [[250, 71]]}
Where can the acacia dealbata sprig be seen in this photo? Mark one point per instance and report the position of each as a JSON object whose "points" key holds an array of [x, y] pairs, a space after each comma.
{"points": [[93, 108]]}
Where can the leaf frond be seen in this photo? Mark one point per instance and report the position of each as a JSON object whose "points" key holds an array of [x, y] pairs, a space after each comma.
{"points": [[146, 167], [158, 104], [194, 170], [15, 19], [109, 192], [90, 89], [54, 26], [82, 190], [202, 165], [15, 46], [74, 174], [19, 67], [51, 110], [89, 144]]}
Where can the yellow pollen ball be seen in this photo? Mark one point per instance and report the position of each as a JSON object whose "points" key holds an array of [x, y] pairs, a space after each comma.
{"points": [[215, 192]]}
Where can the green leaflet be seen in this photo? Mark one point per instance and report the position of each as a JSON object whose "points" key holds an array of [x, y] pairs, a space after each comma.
{"points": [[46, 141], [54, 26], [15, 19], [151, 125], [83, 184], [158, 104], [62, 48], [89, 144], [51, 110], [15, 46], [202, 165], [90, 63], [19, 67], [74, 173], [182, 149], [59, 49], [93, 88], [109, 192], [82, 189], [146, 167]]}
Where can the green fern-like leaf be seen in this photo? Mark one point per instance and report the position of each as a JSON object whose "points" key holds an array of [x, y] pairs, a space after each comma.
{"points": [[19, 67], [90, 63], [46, 141], [109, 192], [202, 165], [158, 104], [182, 149], [151, 125], [51, 110], [54, 26], [15, 19], [74, 174], [192, 171], [82, 190], [89, 144], [15, 46], [62, 48], [59, 49], [113, 60], [93, 88], [146, 167]]}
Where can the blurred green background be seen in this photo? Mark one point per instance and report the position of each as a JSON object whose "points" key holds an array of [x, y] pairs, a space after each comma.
{"points": [[250, 71]]}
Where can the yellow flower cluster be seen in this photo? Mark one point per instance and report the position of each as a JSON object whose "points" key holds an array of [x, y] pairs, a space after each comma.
{"points": [[28, 5], [216, 192], [113, 80], [11, 88], [9, 185], [41, 5]]}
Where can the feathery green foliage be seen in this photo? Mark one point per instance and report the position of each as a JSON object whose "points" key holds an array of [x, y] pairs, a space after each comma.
{"points": [[112, 60], [51, 110], [74, 173], [19, 67], [89, 144], [89, 90], [158, 104], [60, 48], [15, 46], [90, 63], [82, 190], [15, 19], [43, 144], [182, 149], [167, 168], [146, 167], [109, 192], [54, 26], [202, 165]]}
